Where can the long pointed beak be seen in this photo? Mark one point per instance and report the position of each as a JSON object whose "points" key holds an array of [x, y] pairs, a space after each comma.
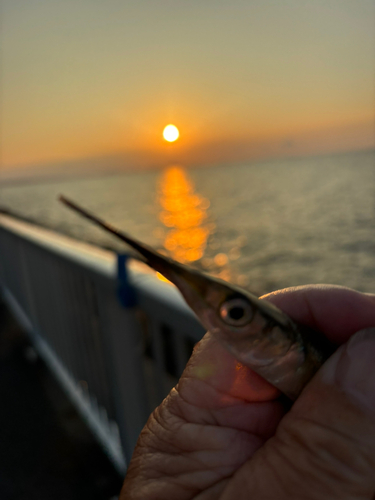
{"points": [[191, 284]]}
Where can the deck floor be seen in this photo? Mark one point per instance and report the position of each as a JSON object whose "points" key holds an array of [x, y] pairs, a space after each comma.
{"points": [[46, 450]]}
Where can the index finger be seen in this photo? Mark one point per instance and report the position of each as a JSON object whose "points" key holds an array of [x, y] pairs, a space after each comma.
{"points": [[336, 311]]}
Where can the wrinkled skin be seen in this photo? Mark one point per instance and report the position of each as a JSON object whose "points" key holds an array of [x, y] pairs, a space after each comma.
{"points": [[225, 433]]}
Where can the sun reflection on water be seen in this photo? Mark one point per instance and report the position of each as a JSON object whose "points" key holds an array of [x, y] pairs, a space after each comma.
{"points": [[184, 213]]}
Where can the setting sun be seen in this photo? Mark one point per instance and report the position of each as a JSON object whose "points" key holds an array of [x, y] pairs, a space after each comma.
{"points": [[171, 133]]}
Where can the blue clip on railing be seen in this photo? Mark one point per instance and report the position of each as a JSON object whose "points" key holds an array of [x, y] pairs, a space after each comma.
{"points": [[125, 292]]}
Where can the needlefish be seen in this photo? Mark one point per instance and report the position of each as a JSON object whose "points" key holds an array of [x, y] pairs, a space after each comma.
{"points": [[257, 333]]}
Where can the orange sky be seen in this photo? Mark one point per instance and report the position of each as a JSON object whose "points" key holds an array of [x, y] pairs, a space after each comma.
{"points": [[240, 80]]}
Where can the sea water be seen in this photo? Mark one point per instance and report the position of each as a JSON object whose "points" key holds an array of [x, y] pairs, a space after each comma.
{"points": [[265, 225]]}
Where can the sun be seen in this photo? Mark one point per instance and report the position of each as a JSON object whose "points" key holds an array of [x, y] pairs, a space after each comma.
{"points": [[171, 133]]}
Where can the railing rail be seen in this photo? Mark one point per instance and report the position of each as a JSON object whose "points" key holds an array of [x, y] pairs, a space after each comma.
{"points": [[115, 362]]}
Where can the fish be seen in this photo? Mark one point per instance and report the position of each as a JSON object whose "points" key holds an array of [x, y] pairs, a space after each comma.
{"points": [[257, 333]]}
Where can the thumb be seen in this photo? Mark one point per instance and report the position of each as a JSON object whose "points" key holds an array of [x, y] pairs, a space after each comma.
{"points": [[324, 448]]}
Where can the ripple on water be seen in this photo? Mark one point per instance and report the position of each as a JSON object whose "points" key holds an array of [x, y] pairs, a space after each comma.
{"points": [[266, 226]]}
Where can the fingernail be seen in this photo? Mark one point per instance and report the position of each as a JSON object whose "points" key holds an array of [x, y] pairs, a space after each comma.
{"points": [[352, 368]]}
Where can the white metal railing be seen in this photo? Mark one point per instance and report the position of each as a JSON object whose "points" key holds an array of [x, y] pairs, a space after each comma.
{"points": [[115, 358]]}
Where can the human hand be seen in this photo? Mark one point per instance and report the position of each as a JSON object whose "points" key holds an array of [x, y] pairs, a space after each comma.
{"points": [[224, 432]]}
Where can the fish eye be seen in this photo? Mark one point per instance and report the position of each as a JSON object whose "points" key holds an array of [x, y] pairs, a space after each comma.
{"points": [[236, 312]]}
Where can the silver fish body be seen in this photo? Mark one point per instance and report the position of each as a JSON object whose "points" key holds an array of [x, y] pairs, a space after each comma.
{"points": [[258, 334]]}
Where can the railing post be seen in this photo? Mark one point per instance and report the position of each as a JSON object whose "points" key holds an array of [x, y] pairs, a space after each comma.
{"points": [[125, 359]]}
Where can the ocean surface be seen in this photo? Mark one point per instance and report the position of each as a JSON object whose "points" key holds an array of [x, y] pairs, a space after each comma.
{"points": [[264, 225]]}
